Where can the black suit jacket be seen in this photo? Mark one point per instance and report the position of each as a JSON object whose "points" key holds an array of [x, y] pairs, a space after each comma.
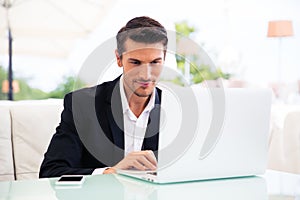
{"points": [[90, 134]]}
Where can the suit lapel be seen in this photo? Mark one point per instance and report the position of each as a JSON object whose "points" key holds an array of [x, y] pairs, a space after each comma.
{"points": [[114, 113], [116, 117]]}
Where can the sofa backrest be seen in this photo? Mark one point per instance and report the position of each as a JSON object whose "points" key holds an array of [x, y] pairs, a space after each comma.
{"points": [[32, 125], [32, 128]]}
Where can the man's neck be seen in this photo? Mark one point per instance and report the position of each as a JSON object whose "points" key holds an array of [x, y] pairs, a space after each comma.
{"points": [[137, 104]]}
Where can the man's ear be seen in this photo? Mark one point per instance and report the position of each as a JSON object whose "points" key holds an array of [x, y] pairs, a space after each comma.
{"points": [[119, 61]]}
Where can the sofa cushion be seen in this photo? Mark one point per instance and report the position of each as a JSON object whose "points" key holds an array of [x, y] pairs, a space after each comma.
{"points": [[33, 124], [6, 155]]}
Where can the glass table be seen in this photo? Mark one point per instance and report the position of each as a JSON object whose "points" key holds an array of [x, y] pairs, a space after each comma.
{"points": [[273, 185]]}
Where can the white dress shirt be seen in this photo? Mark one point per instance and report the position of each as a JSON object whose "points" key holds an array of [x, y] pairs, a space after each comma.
{"points": [[134, 127]]}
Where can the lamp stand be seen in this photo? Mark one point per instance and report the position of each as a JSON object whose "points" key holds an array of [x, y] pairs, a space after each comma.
{"points": [[279, 70]]}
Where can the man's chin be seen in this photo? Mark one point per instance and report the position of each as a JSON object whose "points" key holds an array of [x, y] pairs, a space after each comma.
{"points": [[142, 94]]}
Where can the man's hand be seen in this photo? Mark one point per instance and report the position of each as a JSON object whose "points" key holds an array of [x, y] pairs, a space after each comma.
{"points": [[140, 160]]}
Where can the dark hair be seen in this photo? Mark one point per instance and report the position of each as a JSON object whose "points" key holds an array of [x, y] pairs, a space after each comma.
{"points": [[142, 29]]}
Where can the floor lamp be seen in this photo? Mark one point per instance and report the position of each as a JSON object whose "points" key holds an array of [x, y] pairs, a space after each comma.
{"points": [[280, 29]]}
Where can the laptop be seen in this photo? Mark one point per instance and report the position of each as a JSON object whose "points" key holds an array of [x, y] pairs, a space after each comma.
{"points": [[210, 133]]}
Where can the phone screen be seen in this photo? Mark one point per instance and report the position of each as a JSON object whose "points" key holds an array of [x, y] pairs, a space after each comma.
{"points": [[70, 178]]}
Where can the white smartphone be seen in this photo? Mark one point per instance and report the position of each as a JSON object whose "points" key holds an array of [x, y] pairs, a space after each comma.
{"points": [[70, 180]]}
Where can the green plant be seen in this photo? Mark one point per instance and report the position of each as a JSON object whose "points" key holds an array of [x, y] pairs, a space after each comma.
{"points": [[69, 84], [198, 72]]}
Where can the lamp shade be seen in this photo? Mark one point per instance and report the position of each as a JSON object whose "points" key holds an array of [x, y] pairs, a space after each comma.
{"points": [[280, 28]]}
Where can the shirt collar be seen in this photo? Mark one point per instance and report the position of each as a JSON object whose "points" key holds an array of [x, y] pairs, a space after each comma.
{"points": [[125, 104]]}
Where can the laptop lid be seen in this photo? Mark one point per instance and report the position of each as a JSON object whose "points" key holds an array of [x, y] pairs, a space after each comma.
{"points": [[210, 133], [213, 133]]}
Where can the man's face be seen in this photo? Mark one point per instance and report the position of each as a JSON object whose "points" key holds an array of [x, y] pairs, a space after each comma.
{"points": [[142, 64]]}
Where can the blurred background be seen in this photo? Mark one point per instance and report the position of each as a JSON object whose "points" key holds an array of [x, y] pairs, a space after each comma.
{"points": [[252, 43], [44, 45]]}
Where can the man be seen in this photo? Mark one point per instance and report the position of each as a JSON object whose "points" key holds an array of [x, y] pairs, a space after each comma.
{"points": [[114, 125]]}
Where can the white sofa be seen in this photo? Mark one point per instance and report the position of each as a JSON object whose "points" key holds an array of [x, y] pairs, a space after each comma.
{"points": [[284, 143], [26, 128]]}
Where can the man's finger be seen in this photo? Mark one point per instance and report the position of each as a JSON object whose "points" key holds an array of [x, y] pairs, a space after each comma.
{"points": [[151, 157], [137, 165], [146, 163]]}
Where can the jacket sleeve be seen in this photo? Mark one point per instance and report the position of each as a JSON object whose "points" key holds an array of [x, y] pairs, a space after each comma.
{"points": [[65, 151]]}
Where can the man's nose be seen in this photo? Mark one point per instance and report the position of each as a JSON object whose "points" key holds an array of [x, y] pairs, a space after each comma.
{"points": [[145, 71]]}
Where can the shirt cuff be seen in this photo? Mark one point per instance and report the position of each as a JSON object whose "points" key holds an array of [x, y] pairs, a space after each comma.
{"points": [[99, 170]]}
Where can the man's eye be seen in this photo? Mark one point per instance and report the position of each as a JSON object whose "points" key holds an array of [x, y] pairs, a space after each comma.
{"points": [[135, 62], [155, 62]]}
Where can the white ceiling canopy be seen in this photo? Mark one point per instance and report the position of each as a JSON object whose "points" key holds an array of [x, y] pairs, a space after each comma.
{"points": [[49, 27]]}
